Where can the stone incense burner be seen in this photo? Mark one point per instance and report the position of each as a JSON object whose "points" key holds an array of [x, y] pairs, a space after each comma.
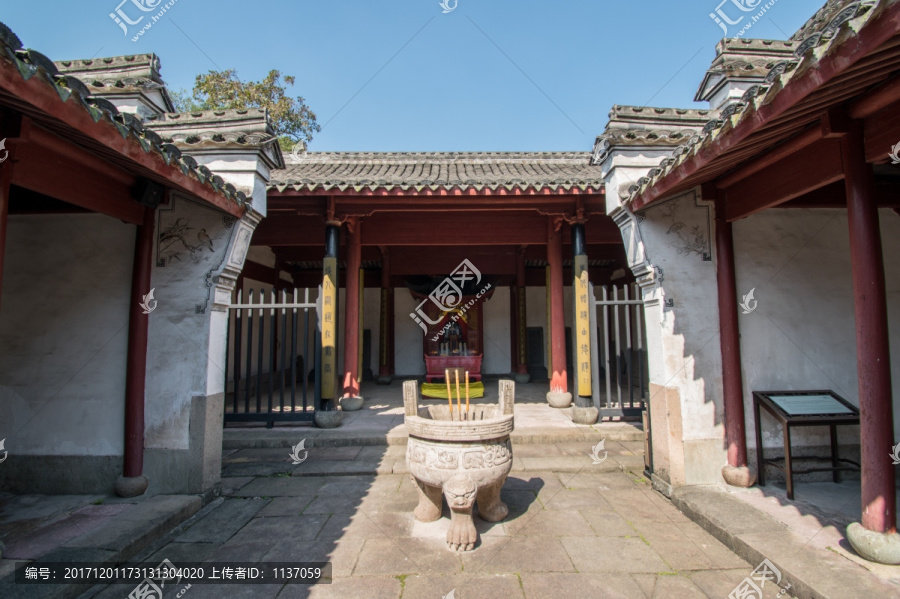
{"points": [[466, 457]]}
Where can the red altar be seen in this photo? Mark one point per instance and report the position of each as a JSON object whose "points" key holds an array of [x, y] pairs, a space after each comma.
{"points": [[437, 365], [454, 340]]}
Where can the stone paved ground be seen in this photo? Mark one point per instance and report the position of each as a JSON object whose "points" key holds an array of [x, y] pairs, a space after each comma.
{"points": [[597, 533]]}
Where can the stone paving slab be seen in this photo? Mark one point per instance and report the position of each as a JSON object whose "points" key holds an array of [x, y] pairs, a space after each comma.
{"points": [[597, 544], [754, 536]]}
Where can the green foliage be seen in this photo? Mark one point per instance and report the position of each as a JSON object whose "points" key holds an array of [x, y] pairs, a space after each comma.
{"points": [[291, 118]]}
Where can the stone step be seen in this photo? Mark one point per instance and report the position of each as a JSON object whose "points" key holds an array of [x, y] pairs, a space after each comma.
{"points": [[287, 437], [374, 460]]}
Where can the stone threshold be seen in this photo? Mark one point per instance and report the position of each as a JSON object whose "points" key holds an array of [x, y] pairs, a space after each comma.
{"points": [[286, 437], [116, 541], [753, 535]]}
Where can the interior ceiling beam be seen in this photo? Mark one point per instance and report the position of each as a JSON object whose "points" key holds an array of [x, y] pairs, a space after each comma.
{"points": [[795, 175]]}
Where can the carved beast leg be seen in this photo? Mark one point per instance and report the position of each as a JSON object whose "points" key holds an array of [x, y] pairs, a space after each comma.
{"points": [[490, 508], [460, 493], [429, 508]]}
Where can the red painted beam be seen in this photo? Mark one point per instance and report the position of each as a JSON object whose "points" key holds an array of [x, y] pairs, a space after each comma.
{"points": [[778, 154], [882, 132], [456, 191], [877, 33], [74, 183], [882, 97], [794, 176], [42, 99], [872, 346], [136, 360]]}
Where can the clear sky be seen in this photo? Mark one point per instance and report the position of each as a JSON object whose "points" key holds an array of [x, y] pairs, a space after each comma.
{"points": [[401, 75]]}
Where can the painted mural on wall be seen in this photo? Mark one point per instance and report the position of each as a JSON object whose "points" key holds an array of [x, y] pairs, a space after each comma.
{"points": [[182, 241], [686, 238]]}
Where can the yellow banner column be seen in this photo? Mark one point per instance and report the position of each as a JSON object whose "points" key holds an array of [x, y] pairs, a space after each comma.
{"points": [[328, 324], [584, 411]]}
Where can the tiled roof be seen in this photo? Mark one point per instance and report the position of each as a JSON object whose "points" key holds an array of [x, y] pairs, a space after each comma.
{"points": [[31, 64], [219, 129], [508, 171], [739, 58], [117, 75], [648, 126], [834, 24]]}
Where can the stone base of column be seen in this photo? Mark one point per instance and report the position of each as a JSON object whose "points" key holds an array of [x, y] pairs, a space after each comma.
{"points": [[738, 476], [878, 547], [384, 379], [351, 403], [328, 419], [559, 400], [582, 415], [522, 378], [131, 486]]}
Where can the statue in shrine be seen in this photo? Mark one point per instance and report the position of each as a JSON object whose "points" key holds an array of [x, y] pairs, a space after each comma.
{"points": [[453, 338]]}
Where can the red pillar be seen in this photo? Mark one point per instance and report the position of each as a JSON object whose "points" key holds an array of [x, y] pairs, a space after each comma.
{"points": [[136, 373], [513, 329], [872, 349], [736, 473], [559, 377], [351, 314]]}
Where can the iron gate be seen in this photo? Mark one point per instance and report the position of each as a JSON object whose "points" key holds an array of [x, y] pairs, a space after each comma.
{"points": [[620, 358], [269, 376]]}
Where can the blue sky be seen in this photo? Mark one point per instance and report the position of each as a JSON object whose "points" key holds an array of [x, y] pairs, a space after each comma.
{"points": [[403, 76]]}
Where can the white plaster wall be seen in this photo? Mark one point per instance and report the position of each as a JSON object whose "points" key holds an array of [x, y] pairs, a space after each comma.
{"points": [[802, 334], [496, 333], [64, 334], [409, 356], [183, 359]]}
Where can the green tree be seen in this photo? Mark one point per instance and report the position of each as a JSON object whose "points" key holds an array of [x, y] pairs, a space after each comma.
{"points": [[292, 119]]}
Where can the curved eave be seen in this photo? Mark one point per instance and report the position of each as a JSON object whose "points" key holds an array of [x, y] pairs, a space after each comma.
{"points": [[31, 86], [787, 90]]}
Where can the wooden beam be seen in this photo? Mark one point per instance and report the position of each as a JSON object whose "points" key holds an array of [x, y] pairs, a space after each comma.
{"points": [[792, 146], [75, 184], [792, 177], [882, 132], [879, 98]]}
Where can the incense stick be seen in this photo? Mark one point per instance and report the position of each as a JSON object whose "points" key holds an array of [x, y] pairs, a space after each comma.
{"points": [[449, 397], [467, 395], [458, 398]]}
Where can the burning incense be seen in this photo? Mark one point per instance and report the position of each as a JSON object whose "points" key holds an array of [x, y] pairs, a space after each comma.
{"points": [[467, 395], [449, 397], [458, 398]]}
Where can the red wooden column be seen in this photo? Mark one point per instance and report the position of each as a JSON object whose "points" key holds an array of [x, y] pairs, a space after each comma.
{"points": [[132, 482], [386, 343], [351, 313], [558, 397], [736, 471], [521, 350], [872, 352], [513, 328]]}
